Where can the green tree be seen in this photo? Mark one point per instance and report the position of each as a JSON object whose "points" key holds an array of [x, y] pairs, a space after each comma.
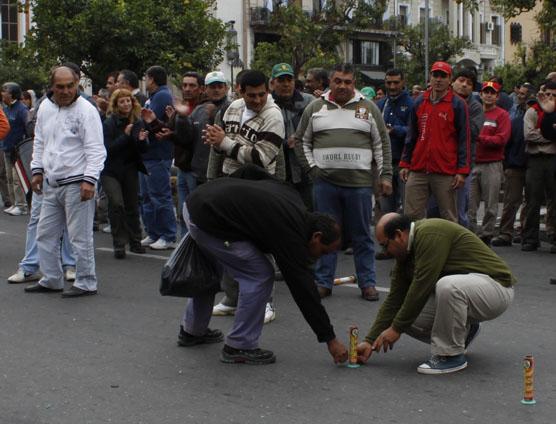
{"points": [[19, 64], [442, 46], [308, 40], [106, 35]]}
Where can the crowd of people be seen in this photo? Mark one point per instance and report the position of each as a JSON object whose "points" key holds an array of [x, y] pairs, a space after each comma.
{"points": [[317, 154]]}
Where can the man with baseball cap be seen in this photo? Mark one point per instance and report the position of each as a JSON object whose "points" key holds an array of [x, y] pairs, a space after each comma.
{"points": [[486, 177], [436, 157]]}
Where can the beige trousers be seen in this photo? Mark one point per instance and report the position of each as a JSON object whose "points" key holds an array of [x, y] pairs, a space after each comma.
{"points": [[458, 301], [419, 188]]}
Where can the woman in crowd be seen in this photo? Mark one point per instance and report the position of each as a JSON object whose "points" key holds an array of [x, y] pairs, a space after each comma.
{"points": [[125, 139]]}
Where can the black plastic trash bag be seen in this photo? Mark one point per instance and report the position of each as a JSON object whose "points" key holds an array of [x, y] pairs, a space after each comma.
{"points": [[189, 272]]}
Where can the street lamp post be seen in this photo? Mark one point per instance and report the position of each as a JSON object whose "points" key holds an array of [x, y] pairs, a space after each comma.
{"points": [[232, 52]]}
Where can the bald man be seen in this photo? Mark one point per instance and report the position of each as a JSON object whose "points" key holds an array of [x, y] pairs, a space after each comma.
{"points": [[68, 155], [445, 281]]}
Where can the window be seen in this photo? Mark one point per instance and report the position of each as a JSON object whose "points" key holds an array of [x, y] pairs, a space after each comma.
{"points": [[370, 53], [515, 33], [496, 31], [403, 14], [8, 11]]}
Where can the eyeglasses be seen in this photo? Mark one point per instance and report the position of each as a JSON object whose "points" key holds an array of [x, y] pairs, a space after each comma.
{"points": [[550, 94]]}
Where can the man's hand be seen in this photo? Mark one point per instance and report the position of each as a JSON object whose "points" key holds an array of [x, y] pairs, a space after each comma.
{"points": [[164, 134], [87, 191], [127, 130], [364, 352], [148, 115], [386, 340], [547, 103], [213, 135], [385, 187], [458, 181], [182, 109], [404, 174], [291, 142], [170, 112], [36, 183], [338, 351]]}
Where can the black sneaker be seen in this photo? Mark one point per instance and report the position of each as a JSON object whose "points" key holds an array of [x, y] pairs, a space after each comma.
{"points": [[500, 241], [211, 336], [231, 355]]}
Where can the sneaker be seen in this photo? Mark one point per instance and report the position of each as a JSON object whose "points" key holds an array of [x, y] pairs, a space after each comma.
{"points": [[147, 241], [7, 204], [24, 277], [348, 251], [221, 310], [8, 210], [69, 274], [211, 336], [16, 211], [269, 314], [107, 229], [162, 244], [474, 330], [231, 355], [443, 364]]}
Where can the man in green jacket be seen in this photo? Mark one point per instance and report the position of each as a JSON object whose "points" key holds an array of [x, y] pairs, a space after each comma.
{"points": [[445, 281]]}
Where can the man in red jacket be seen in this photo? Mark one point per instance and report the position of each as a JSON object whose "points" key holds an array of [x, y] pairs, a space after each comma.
{"points": [[436, 154], [486, 177]]}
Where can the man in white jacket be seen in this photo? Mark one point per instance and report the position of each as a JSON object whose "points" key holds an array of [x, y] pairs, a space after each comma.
{"points": [[68, 156]]}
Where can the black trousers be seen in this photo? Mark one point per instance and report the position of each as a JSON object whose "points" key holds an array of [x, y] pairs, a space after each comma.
{"points": [[123, 206]]}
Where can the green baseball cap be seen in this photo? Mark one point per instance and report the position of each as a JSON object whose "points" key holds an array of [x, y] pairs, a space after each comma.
{"points": [[282, 69]]}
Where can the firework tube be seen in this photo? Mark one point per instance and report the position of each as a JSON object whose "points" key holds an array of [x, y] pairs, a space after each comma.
{"points": [[344, 280], [353, 339], [528, 380]]}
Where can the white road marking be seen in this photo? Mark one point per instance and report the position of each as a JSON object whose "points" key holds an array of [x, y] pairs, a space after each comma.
{"points": [[164, 258]]}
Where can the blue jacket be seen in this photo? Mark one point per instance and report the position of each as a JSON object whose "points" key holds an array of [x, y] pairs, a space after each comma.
{"points": [[159, 149], [514, 152], [396, 112], [17, 116]]}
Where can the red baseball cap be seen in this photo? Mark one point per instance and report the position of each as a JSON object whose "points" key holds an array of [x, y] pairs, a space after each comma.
{"points": [[443, 67], [491, 84]]}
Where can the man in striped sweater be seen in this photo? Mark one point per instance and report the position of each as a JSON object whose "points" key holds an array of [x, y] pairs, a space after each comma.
{"points": [[343, 136]]}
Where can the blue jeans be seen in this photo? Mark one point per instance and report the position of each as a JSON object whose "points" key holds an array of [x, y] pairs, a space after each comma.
{"points": [[30, 262], [393, 202], [187, 182], [157, 208], [351, 207]]}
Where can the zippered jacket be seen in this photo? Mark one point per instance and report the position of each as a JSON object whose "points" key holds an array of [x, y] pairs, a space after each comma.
{"points": [[69, 143], [438, 138]]}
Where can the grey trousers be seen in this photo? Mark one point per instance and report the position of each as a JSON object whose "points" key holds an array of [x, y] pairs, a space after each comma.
{"points": [[514, 181], [420, 186], [486, 179], [63, 205], [255, 275], [458, 301]]}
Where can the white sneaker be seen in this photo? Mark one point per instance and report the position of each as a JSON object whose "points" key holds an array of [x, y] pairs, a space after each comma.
{"points": [[147, 241], [107, 229], [8, 210], [24, 277], [269, 313], [162, 244], [17, 211], [221, 310], [69, 274]]}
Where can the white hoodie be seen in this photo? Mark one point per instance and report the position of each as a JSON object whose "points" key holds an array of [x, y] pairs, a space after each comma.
{"points": [[69, 143]]}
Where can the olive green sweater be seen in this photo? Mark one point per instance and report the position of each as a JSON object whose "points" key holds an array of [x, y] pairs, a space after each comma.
{"points": [[437, 247]]}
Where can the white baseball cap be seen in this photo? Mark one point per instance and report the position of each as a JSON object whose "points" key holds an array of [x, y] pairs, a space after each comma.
{"points": [[215, 76]]}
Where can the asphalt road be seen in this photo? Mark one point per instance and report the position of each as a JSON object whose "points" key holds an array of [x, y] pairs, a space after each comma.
{"points": [[113, 358]]}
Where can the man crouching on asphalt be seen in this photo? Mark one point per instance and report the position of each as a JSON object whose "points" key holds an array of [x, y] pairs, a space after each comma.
{"points": [[445, 281], [240, 221]]}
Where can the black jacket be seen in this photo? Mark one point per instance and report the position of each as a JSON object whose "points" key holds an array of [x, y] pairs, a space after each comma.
{"points": [[272, 216], [122, 151]]}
